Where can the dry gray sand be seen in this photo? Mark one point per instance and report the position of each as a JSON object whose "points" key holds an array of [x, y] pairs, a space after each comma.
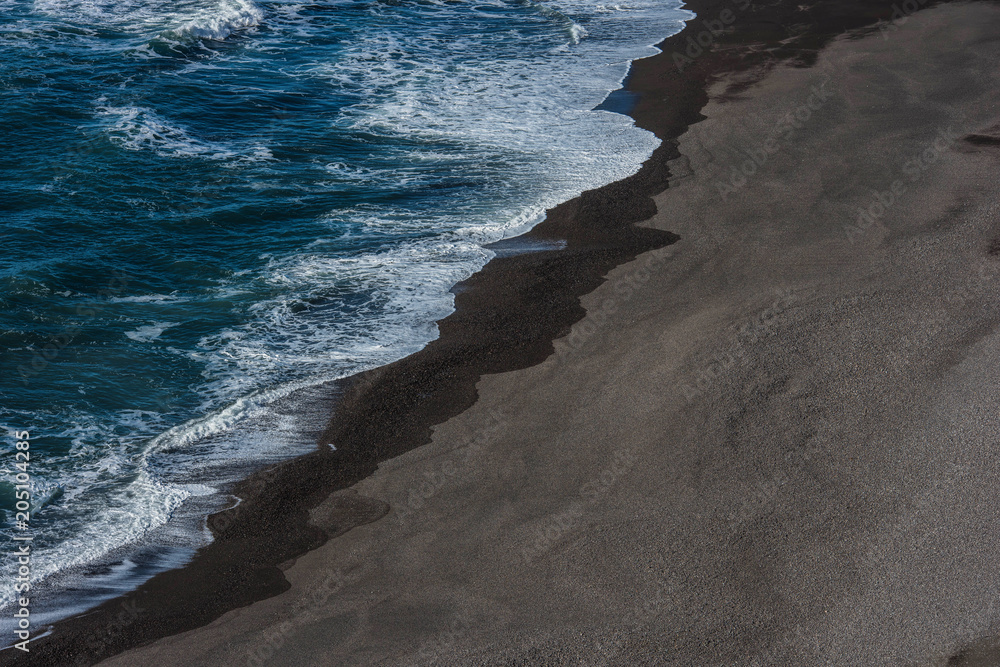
{"points": [[774, 442]]}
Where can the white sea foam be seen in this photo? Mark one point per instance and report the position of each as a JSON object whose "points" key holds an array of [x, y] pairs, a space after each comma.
{"points": [[97, 498], [221, 21], [151, 298], [198, 489], [150, 332], [126, 515], [523, 125], [203, 19], [99, 12], [137, 128], [518, 116]]}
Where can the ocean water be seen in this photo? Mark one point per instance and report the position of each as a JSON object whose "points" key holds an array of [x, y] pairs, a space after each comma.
{"points": [[209, 208]]}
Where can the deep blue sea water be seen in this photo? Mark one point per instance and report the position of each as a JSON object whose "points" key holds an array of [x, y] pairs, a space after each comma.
{"points": [[207, 205]]}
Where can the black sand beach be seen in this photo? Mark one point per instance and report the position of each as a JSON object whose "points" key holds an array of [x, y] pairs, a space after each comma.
{"points": [[757, 427]]}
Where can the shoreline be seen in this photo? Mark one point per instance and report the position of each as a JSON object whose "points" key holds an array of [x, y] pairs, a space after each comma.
{"points": [[506, 317]]}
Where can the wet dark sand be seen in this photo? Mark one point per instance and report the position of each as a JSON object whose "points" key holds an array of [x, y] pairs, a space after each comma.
{"points": [[772, 441]]}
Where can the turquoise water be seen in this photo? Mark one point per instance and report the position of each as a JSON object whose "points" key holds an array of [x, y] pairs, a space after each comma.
{"points": [[207, 205]]}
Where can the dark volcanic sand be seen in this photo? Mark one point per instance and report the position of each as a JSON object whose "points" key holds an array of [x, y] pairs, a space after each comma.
{"points": [[506, 319]]}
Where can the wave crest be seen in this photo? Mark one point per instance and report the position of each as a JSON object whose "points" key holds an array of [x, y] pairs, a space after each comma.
{"points": [[228, 17]]}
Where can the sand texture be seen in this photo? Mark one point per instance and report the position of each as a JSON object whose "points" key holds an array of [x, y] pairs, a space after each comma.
{"points": [[774, 442]]}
